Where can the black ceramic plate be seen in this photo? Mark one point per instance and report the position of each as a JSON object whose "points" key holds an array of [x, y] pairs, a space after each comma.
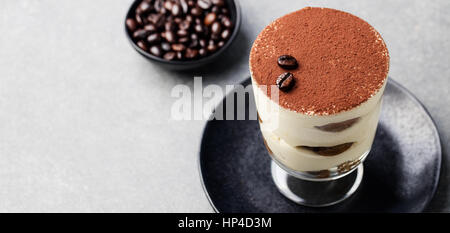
{"points": [[400, 174]]}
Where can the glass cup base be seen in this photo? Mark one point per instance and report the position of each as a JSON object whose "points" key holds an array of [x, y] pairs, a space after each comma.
{"points": [[316, 193]]}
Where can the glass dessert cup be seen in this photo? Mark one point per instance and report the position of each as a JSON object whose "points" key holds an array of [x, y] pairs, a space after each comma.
{"points": [[318, 77], [317, 159]]}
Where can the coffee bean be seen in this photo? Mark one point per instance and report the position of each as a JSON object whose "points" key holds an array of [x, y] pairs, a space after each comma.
{"points": [[204, 4], [211, 46], [226, 22], [176, 10], [183, 40], [182, 33], [194, 43], [142, 45], [153, 38], [199, 28], [215, 36], [202, 43], [131, 24], [202, 52], [156, 19], [209, 19], [178, 20], [159, 6], [141, 34], [191, 53], [221, 44], [225, 11], [169, 56], [218, 2], [168, 5], [144, 7], [185, 25], [225, 34], [150, 27], [139, 19], [179, 55], [196, 11], [166, 46], [285, 81], [215, 9], [169, 26], [287, 62], [189, 18], [155, 50], [178, 47], [216, 28], [184, 6], [170, 36]]}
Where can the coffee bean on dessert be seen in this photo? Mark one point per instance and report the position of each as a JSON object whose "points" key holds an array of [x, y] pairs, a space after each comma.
{"points": [[131, 24], [153, 38], [209, 19], [204, 4], [155, 50], [287, 62], [191, 53], [216, 28], [166, 46], [178, 47], [169, 56], [142, 45], [141, 34], [285, 81]]}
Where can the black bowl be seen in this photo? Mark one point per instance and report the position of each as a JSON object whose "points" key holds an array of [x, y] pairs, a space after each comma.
{"points": [[235, 13]]}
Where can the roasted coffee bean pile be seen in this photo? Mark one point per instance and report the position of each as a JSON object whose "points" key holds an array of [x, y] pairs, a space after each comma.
{"points": [[286, 81], [181, 29]]}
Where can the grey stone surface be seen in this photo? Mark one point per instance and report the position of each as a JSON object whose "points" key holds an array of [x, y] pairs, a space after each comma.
{"points": [[85, 121]]}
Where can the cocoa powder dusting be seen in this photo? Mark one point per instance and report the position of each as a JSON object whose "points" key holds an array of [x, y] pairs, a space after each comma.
{"points": [[343, 61]]}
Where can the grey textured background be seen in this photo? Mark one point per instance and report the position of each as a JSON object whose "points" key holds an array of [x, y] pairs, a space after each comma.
{"points": [[84, 119]]}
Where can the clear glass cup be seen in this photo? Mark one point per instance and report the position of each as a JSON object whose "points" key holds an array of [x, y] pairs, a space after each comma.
{"points": [[305, 168]]}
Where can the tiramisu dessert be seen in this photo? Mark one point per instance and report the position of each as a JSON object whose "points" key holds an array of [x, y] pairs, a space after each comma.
{"points": [[330, 68]]}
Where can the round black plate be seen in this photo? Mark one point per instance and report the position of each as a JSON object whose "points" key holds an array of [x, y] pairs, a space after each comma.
{"points": [[400, 174]]}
